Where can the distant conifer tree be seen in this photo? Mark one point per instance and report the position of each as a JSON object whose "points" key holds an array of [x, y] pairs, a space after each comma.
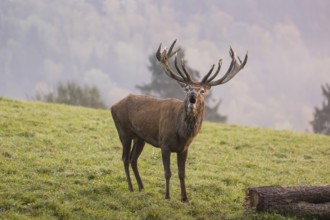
{"points": [[321, 122]]}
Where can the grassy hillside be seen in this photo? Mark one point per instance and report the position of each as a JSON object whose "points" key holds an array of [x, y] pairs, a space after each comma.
{"points": [[64, 162]]}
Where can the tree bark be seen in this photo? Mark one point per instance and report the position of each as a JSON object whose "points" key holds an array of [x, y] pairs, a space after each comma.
{"points": [[300, 201]]}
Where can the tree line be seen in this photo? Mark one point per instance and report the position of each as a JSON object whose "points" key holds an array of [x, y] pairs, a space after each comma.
{"points": [[161, 86], [71, 93]]}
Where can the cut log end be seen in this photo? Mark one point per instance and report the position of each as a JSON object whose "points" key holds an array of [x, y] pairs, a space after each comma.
{"points": [[304, 201]]}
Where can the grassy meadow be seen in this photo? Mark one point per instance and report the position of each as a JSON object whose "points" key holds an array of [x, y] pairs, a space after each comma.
{"points": [[64, 162]]}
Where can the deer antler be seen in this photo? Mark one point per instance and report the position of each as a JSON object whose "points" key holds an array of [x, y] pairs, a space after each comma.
{"points": [[235, 66], [164, 56]]}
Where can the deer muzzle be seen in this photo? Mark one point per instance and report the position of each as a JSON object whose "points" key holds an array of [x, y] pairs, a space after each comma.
{"points": [[192, 101]]}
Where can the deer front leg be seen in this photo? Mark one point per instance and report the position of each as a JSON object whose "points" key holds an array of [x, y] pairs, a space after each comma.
{"points": [[166, 156], [182, 157], [126, 152]]}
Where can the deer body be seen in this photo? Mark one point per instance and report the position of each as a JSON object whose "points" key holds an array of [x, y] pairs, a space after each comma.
{"points": [[157, 121], [169, 124]]}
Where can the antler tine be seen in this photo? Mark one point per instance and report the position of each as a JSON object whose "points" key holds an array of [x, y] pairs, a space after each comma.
{"points": [[245, 59], [170, 54], [235, 66], [207, 75], [185, 71], [163, 57], [178, 69], [216, 72], [158, 54]]}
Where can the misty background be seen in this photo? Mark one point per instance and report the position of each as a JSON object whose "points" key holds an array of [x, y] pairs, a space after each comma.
{"points": [[107, 43]]}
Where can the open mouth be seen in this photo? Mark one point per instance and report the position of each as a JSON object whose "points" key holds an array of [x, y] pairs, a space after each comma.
{"points": [[192, 103], [192, 100]]}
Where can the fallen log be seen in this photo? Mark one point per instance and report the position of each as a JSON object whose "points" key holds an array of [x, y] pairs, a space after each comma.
{"points": [[300, 201]]}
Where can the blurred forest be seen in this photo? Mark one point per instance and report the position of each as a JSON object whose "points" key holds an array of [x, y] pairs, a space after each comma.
{"points": [[107, 43]]}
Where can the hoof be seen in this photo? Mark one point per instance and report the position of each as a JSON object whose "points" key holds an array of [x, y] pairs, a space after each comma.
{"points": [[184, 199]]}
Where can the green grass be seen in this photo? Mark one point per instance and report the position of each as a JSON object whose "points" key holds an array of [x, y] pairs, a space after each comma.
{"points": [[64, 162]]}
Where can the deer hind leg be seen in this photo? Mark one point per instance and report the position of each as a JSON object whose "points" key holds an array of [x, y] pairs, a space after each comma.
{"points": [[127, 144], [136, 151]]}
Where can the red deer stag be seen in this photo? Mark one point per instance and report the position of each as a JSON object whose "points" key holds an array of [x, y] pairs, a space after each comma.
{"points": [[169, 124]]}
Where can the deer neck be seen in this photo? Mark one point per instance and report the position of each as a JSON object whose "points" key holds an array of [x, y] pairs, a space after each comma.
{"points": [[190, 121]]}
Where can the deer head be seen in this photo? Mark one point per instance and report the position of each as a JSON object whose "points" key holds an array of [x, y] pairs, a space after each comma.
{"points": [[195, 90]]}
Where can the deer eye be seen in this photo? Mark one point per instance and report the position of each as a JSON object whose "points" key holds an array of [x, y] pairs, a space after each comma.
{"points": [[202, 91]]}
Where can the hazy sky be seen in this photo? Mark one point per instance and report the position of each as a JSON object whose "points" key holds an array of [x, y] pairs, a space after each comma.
{"points": [[107, 43]]}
